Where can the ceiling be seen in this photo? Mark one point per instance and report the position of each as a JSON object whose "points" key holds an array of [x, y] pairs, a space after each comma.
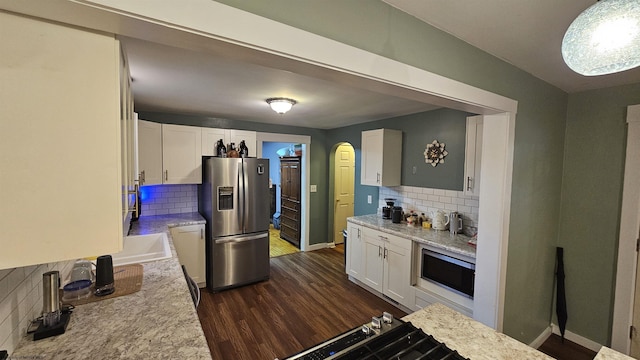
{"points": [[526, 34]]}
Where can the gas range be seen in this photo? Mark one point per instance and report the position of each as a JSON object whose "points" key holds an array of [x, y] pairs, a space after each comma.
{"points": [[383, 338]]}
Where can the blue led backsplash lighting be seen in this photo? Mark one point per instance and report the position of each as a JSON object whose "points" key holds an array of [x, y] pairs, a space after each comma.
{"points": [[148, 192]]}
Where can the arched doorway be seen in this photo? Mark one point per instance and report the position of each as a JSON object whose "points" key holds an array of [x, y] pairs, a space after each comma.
{"points": [[344, 162]]}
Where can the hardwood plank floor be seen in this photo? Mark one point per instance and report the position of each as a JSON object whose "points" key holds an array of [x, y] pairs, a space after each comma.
{"points": [[566, 350], [307, 300]]}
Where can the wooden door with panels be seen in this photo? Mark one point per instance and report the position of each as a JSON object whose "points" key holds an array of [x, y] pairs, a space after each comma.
{"points": [[343, 189], [290, 179]]}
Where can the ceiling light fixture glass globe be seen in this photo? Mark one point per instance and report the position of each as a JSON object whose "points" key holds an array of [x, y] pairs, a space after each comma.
{"points": [[281, 105], [604, 39]]}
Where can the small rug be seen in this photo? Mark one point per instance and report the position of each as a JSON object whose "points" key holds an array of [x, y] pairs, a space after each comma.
{"points": [[127, 279]]}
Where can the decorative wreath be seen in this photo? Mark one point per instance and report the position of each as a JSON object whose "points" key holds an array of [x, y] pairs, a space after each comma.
{"points": [[434, 153]]}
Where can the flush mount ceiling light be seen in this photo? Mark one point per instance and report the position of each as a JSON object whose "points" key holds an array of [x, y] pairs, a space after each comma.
{"points": [[281, 105], [604, 39]]}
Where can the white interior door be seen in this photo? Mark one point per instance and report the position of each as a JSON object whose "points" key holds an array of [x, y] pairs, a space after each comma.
{"points": [[345, 163]]}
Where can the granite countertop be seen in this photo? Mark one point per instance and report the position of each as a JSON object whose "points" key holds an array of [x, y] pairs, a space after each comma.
{"points": [[477, 341], [157, 322], [607, 354], [439, 239], [469, 337]]}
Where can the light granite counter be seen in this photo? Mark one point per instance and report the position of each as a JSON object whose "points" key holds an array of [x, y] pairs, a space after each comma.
{"points": [[477, 341], [157, 322], [441, 239], [608, 354], [469, 337]]}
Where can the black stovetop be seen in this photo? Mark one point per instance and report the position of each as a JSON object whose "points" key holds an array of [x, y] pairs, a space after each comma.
{"points": [[398, 340]]}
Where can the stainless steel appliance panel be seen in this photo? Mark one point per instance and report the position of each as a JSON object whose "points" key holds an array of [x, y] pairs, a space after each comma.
{"points": [[224, 177], [256, 194], [238, 260]]}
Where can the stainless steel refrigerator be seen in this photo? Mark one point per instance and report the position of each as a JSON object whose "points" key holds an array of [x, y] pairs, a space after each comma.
{"points": [[234, 198]]}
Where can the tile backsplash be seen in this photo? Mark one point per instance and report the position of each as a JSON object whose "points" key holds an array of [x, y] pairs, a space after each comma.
{"points": [[169, 199], [426, 200], [21, 299]]}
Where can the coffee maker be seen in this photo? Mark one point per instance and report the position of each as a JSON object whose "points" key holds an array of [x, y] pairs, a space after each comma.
{"points": [[386, 210]]}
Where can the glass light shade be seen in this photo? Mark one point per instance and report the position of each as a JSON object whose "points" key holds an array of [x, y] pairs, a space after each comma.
{"points": [[281, 105], [604, 39]]}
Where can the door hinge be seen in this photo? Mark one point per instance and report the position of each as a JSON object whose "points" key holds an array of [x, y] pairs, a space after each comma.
{"points": [[632, 330]]}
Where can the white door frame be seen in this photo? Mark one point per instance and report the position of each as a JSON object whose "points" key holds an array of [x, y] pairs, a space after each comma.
{"points": [[305, 140], [211, 27], [629, 224]]}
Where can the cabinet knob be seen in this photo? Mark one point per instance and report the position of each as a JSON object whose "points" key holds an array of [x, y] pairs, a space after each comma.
{"points": [[166, 175]]}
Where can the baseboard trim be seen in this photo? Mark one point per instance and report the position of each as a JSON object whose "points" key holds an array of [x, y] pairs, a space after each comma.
{"points": [[580, 340], [317, 247], [541, 338]]}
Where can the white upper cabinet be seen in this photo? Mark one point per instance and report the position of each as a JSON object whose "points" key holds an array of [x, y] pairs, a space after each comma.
{"points": [[210, 137], [473, 156], [381, 157], [150, 152], [61, 181], [181, 154]]}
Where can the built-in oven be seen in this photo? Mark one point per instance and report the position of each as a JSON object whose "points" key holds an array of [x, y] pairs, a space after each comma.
{"points": [[455, 274]]}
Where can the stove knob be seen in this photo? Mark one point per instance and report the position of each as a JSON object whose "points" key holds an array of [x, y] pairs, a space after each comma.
{"points": [[366, 330], [387, 318], [376, 322]]}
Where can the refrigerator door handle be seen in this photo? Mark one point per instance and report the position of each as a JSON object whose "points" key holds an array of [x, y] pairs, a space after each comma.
{"points": [[239, 239], [241, 196]]}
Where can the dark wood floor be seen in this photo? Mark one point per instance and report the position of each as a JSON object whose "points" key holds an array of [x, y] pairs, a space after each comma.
{"points": [[307, 300], [566, 350]]}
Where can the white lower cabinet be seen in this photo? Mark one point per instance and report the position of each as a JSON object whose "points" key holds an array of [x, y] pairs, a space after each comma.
{"points": [[189, 242], [386, 264], [353, 264]]}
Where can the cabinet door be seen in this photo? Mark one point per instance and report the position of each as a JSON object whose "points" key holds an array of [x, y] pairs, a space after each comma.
{"points": [[150, 152], [381, 157], [181, 154], [210, 137], [249, 137], [372, 261], [354, 251], [397, 269], [189, 242], [371, 166], [60, 154], [473, 156]]}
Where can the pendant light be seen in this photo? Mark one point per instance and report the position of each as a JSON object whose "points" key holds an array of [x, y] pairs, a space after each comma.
{"points": [[281, 105], [604, 39]]}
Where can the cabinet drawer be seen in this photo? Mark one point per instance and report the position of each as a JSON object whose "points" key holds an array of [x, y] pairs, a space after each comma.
{"points": [[290, 213], [293, 205], [291, 223]]}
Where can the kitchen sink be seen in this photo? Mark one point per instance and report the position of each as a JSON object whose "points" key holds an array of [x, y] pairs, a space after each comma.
{"points": [[143, 248]]}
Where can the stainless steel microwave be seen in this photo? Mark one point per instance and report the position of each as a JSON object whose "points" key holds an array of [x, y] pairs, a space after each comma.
{"points": [[455, 274]]}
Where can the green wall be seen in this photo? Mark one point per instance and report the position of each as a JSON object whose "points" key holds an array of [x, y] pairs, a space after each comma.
{"points": [[418, 130], [318, 158], [590, 207], [540, 126]]}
